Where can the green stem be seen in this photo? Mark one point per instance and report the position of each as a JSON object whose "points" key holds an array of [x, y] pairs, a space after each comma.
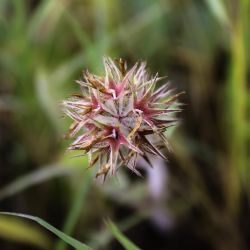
{"points": [[75, 209], [236, 115]]}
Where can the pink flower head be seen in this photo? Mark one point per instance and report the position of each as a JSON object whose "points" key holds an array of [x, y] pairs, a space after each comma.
{"points": [[120, 116]]}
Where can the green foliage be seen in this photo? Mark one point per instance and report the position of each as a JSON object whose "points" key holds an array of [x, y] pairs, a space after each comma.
{"points": [[69, 240]]}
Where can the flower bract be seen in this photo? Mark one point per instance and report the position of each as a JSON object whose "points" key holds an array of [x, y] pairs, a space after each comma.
{"points": [[121, 116]]}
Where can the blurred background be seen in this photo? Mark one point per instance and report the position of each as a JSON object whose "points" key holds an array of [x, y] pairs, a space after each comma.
{"points": [[199, 199]]}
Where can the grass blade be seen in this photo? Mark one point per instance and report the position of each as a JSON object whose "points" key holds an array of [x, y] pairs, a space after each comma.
{"points": [[236, 103], [36, 177], [219, 11], [66, 166], [102, 238], [14, 229], [71, 241], [125, 242]]}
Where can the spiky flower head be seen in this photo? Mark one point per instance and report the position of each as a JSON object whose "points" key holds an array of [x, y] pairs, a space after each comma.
{"points": [[120, 116]]}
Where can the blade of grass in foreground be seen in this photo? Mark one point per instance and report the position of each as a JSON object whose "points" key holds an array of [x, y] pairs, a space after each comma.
{"points": [[102, 238], [125, 242], [71, 241], [19, 231]]}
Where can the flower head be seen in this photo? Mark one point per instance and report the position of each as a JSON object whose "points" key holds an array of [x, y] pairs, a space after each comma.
{"points": [[120, 116]]}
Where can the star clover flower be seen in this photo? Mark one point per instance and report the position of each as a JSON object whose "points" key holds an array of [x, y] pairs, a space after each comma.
{"points": [[120, 116]]}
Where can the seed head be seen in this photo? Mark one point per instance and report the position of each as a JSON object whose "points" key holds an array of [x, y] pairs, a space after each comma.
{"points": [[120, 116]]}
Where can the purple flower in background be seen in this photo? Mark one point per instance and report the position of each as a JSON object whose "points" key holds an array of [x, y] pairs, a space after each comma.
{"points": [[120, 116]]}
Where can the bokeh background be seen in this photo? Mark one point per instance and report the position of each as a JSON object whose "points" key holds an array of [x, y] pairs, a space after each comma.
{"points": [[199, 199]]}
